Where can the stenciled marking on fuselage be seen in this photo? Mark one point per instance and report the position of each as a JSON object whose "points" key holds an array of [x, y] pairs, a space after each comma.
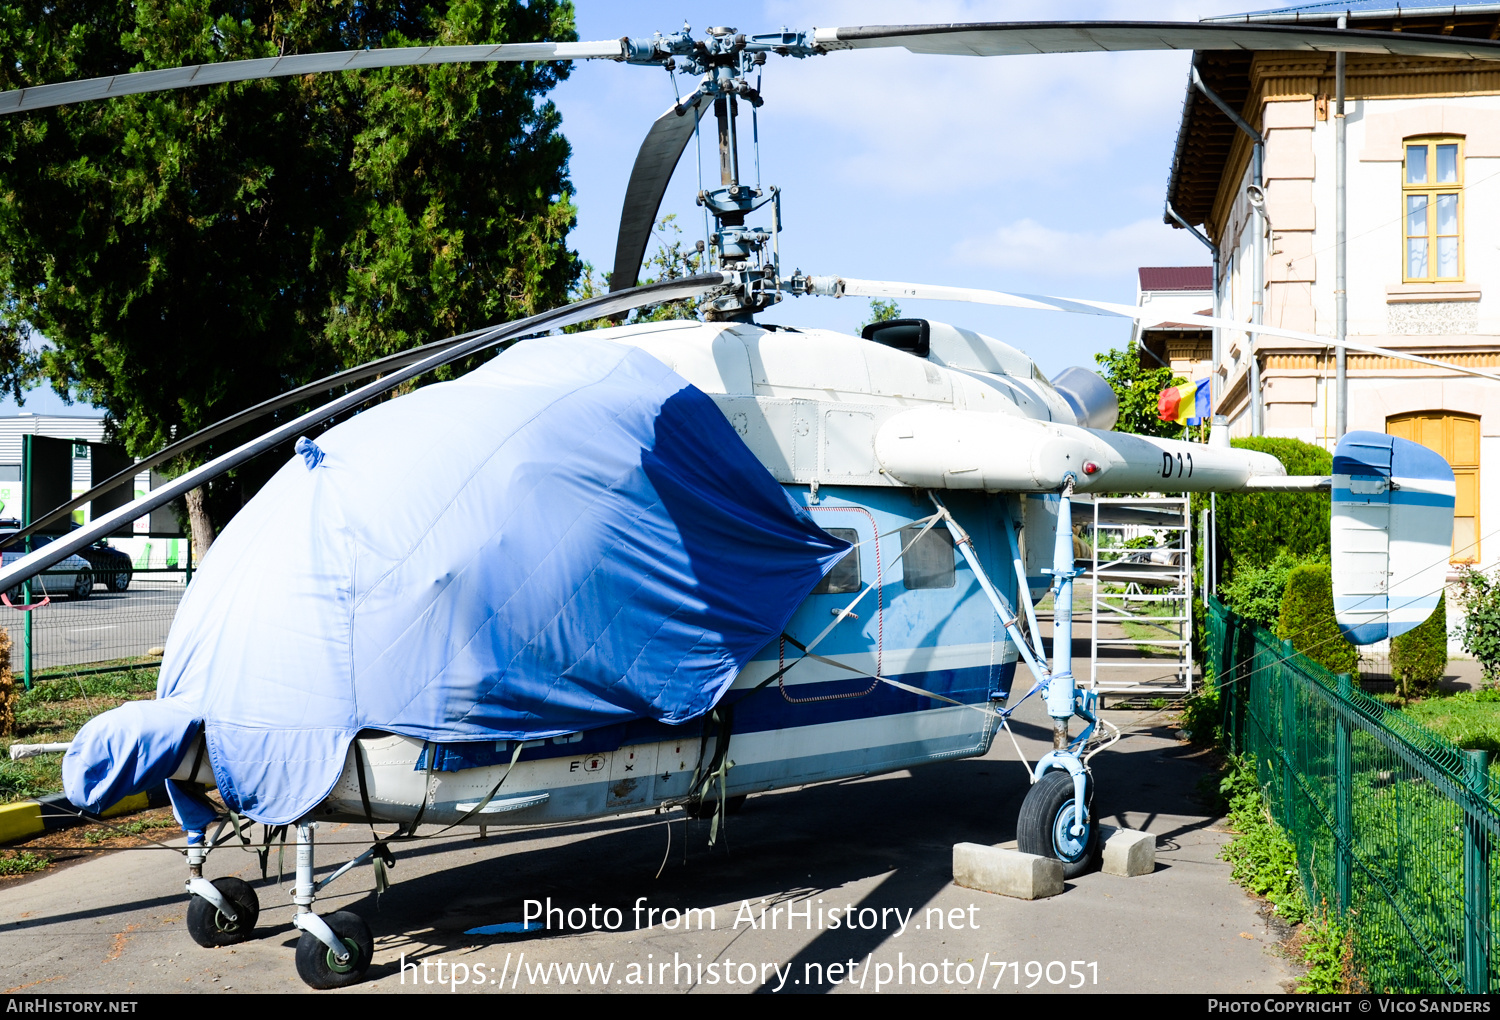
{"points": [[1169, 461]]}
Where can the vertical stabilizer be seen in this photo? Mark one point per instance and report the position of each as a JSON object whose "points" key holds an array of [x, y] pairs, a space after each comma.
{"points": [[1392, 524]]}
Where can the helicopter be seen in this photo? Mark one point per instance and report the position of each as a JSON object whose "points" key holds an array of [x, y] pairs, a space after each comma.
{"points": [[674, 563]]}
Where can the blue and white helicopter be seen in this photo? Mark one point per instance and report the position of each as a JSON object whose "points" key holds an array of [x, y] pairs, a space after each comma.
{"points": [[675, 563]]}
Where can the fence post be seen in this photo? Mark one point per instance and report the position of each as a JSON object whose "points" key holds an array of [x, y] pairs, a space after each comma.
{"points": [[1343, 798], [1288, 817], [1229, 680], [1476, 880]]}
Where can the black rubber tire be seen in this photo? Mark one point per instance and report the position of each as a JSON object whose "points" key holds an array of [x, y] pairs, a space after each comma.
{"points": [[118, 581], [83, 585], [316, 964], [211, 929], [1046, 815]]}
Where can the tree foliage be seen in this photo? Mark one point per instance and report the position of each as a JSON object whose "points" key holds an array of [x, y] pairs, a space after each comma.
{"points": [[190, 253], [1137, 387], [880, 311], [1479, 598], [670, 261]]}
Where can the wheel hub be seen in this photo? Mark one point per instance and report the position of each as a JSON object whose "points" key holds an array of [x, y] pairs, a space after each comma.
{"points": [[1069, 847], [348, 964]]}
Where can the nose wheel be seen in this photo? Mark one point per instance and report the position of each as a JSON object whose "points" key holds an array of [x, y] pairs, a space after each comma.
{"points": [[211, 925], [1045, 825], [320, 966]]}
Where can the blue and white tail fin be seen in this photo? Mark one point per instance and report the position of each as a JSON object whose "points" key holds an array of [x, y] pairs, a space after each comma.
{"points": [[1392, 527]]}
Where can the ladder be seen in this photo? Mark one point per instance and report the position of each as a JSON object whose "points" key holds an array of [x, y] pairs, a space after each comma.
{"points": [[1141, 624]]}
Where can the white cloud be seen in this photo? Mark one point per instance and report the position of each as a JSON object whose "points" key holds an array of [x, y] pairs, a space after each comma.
{"points": [[1042, 251]]}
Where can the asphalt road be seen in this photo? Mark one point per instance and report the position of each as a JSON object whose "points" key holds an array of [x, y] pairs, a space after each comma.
{"points": [[105, 626], [880, 845]]}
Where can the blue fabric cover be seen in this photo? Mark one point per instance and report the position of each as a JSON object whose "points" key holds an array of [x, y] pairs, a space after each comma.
{"points": [[568, 537], [138, 747]]}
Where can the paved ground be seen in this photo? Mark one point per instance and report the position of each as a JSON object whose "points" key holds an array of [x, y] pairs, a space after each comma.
{"points": [[105, 626], [880, 845]]}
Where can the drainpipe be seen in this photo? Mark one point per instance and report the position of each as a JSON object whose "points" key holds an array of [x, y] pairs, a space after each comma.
{"points": [[1258, 282], [1340, 292], [1213, 378]]}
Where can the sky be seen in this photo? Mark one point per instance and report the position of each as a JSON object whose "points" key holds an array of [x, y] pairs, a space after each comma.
{"points": [[1040, 174]]}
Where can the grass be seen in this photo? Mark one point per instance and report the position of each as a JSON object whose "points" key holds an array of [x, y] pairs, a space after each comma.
{"points": [[1141, 629], [22, 862], [1470, 719], [52, 712]]}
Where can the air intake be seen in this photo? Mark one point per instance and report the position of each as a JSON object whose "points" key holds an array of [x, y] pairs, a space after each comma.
{"points": [[1093, 401]]}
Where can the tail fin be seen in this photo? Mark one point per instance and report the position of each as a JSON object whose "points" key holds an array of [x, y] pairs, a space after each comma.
{"points": [[1392, 525]]}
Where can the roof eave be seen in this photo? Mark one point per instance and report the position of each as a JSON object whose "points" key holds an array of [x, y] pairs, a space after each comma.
{"points": [[1298, 17]]}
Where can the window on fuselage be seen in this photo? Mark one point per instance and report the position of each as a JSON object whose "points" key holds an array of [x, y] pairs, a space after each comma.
{"points": [[844, 577], [929, 562]]}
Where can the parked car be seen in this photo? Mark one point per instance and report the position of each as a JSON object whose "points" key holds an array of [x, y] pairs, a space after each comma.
{"points": [[112, 568], [72, 577]]}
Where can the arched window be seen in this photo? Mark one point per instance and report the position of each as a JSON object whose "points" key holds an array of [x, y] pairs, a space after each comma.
{"points": [[1432, 205], [1454, 437]]}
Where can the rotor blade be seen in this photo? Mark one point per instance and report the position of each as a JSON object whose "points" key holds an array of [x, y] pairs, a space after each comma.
{"points": [[359, 373], [998, 39], [648, 183], [837, 286], [34, 563], [58, 94]]}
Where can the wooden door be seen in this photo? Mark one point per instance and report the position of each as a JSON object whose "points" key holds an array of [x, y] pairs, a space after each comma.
{"points": [[1454, 437]]}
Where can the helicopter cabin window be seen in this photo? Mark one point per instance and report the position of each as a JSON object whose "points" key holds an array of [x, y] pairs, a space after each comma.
{"points": [[1432, 207], [928, 562], [844, 577]]}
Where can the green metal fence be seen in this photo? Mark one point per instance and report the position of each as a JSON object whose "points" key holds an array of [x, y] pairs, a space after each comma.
{"points": [[1393, 824]]}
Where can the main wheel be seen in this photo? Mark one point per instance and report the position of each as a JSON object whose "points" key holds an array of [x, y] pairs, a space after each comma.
{"points": [[210, 928], [83, 585], [316, 963], [1046, 823]]}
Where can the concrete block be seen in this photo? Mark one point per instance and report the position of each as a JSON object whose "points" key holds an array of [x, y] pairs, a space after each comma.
{"points": [[1007, 872], [1127, 853]]}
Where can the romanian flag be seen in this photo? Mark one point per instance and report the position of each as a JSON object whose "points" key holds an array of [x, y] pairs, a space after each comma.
{"points": [[1186, 404]]}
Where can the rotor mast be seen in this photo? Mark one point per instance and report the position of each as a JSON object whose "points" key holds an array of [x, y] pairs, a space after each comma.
{"points": [[725, 59]]}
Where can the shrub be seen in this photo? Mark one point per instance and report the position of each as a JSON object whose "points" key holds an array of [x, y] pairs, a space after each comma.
{"points": [[1255, 527], [1202, 715], [1255, 592], [1479, 597], [1307, 619], [1327, 948], [1263, 858], [1419, 658], [9, 696]]}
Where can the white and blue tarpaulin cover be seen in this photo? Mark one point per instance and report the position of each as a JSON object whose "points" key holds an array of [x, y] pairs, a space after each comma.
{"points": [[569, 537], [1392, 533]]}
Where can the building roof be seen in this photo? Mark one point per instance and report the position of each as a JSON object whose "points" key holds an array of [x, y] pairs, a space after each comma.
{"points": [[1205, 136], [1176, 277], [1355, 10]]}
